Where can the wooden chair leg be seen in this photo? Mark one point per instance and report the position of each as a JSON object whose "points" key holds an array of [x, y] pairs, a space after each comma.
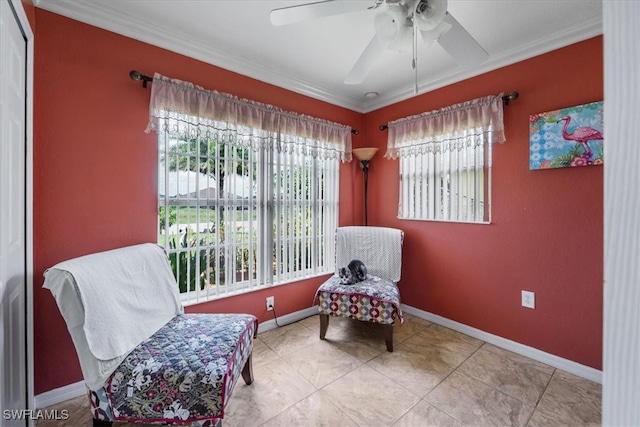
{"points": [[247, 371], [388, 337], [324, 324]]}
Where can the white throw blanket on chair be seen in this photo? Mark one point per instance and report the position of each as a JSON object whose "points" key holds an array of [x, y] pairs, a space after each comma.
{"points": [[112, 301], [379, 248]]}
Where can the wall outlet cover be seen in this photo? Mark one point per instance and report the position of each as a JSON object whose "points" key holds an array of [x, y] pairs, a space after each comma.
{"points": [[528, 299]]}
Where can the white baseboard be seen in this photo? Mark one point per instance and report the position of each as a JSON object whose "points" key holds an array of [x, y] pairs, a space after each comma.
{"points": [[57, 395], [287, 318], [524, 350]]}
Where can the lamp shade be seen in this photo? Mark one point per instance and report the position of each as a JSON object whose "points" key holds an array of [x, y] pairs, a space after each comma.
{"points": [[364, 153]]}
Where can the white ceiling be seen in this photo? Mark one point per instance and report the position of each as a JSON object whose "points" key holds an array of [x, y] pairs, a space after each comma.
{"points": [[314, 57]]}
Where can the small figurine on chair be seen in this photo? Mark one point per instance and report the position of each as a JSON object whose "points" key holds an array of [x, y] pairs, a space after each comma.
{"points": [[355, 272]]}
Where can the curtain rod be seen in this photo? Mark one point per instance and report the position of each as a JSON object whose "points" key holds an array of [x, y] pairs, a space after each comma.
{"points": [[137, 76], [506, 98]]}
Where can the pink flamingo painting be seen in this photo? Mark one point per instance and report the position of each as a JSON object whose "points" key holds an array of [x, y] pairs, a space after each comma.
{"points": [[581, 135]]}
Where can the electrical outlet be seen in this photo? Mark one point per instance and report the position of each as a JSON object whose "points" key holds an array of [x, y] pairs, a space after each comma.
{"points": [[528, 299], [270, 303]]}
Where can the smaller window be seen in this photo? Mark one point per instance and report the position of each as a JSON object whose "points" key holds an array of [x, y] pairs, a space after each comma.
{"points": [[445, 161], [447, 186]]}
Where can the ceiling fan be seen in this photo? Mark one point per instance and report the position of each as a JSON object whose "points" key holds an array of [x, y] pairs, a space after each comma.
{"points": [[397, 24]]}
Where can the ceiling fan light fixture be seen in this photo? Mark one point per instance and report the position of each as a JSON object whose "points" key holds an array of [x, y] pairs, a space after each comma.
{"points": [[428, 14], [404, 43], [391, 26], [396, 27]]}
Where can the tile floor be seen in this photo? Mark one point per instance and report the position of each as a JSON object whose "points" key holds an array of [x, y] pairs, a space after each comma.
{"points": [[434, 377]]}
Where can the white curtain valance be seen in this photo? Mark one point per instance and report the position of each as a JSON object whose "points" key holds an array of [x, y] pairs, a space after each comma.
{"points": [[185, 101], [469, 123]]}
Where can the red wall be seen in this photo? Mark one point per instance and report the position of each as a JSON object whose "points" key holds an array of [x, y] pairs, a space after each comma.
{"points": [[95, 168], [30, 11], [94, 189], [546, 232]]}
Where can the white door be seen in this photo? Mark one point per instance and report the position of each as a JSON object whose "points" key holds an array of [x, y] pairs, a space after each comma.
{"points": [[13, 313]]}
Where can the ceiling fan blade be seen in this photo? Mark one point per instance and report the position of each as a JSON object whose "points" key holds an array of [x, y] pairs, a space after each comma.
{"points": [[367, 60], [461, 45], [305, 12], [433, 35]]}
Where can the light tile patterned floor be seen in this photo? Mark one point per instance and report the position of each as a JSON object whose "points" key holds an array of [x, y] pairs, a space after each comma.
{"points": [[434, 377]]}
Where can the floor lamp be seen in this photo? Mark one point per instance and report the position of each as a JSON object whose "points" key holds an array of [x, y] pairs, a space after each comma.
{"points": [[365, 155]]}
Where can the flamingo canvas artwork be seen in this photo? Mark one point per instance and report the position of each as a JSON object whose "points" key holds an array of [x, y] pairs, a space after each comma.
{"points": [[568, 137]]}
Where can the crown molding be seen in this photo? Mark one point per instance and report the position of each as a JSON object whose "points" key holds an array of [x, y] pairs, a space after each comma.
{"points": [[96, 14], [543, 45]]}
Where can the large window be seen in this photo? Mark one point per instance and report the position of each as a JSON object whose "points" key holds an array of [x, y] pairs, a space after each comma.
{"points": [[445, 161], [238, 212]]}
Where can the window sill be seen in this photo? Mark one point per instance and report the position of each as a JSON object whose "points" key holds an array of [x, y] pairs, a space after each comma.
{"points": [[189, 302], [446, 221]]}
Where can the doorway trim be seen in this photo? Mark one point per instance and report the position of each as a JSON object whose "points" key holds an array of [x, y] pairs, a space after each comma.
{"points": [[25, 25]]}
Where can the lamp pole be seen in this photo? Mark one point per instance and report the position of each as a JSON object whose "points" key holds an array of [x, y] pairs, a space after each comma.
{"points": [[365, 170]]}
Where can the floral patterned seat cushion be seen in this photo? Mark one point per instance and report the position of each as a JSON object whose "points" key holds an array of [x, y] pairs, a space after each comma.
{"points": [[372, 300], [184, 373]]}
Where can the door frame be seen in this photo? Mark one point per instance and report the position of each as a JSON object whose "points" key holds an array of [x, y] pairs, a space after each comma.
{"points": [[25, 26]]}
